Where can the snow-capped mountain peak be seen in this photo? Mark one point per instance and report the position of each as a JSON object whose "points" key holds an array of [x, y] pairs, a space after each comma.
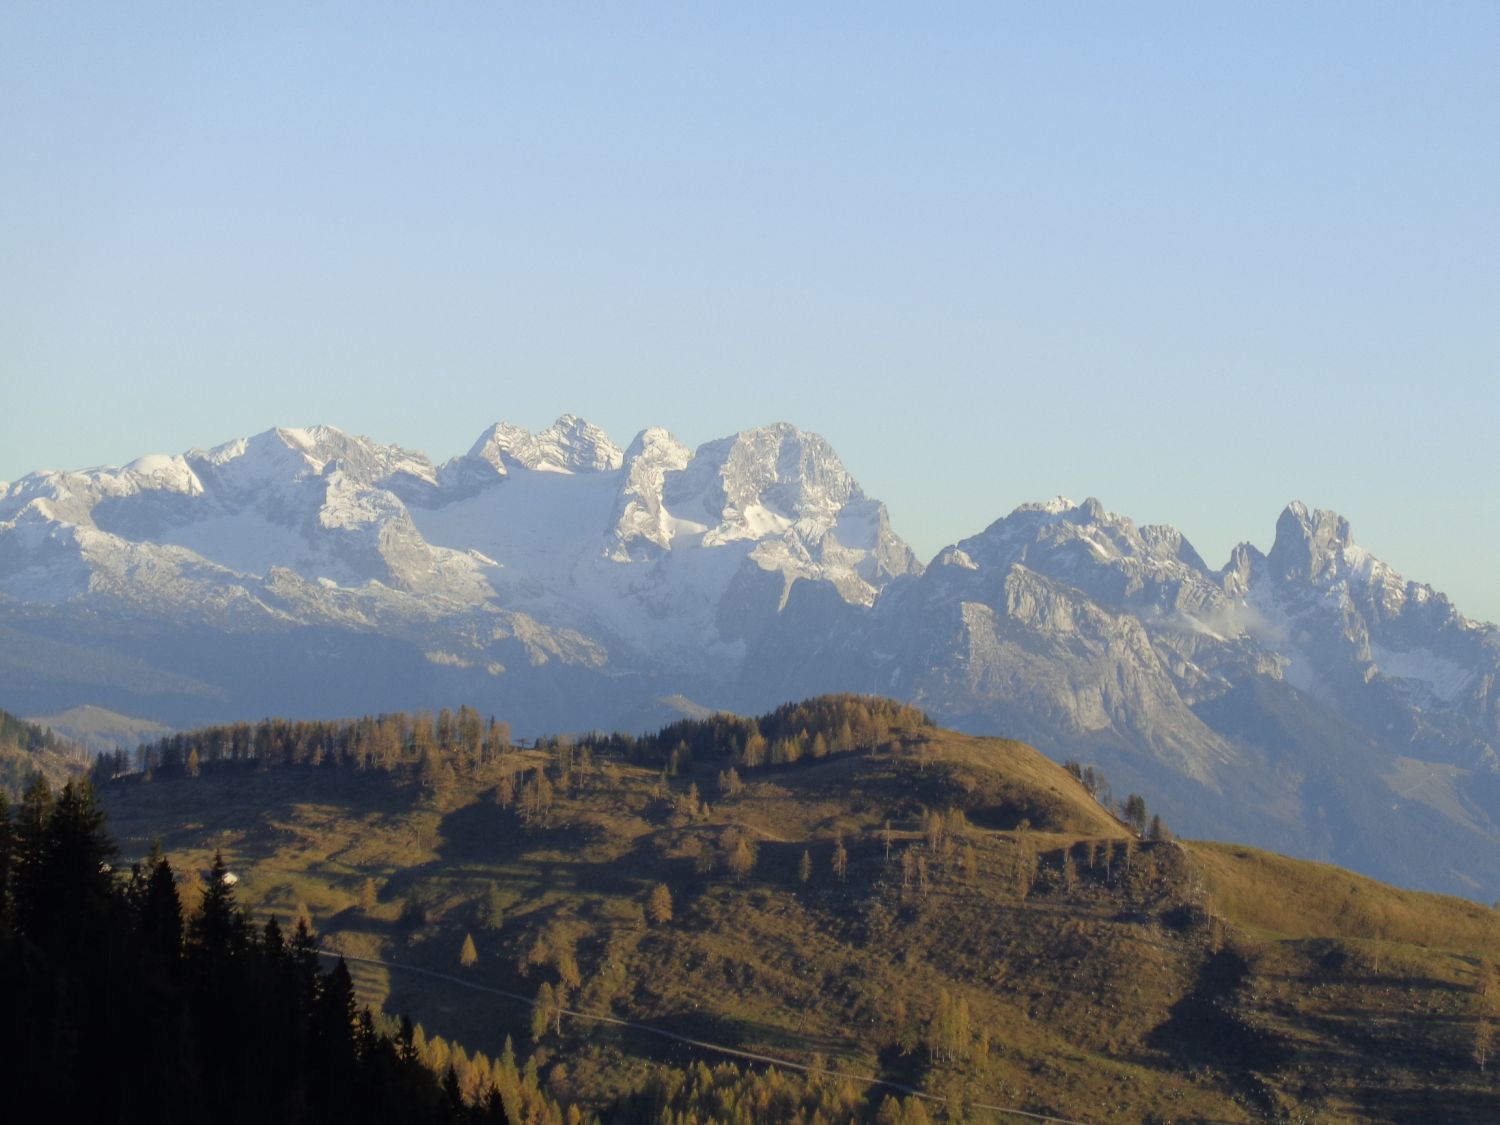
{"points": [[762, 480], [637, 556], [640, 520], [569, 445]]}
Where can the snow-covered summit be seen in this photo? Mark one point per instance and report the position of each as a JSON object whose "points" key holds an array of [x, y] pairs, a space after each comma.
{"points": [[637, 553], [640, 521], [569, 445]]}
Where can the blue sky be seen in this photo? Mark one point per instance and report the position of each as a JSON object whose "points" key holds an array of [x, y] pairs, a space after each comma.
{"points": [[1196, 260]]}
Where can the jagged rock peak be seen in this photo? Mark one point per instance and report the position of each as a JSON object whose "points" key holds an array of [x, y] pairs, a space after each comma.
{"points": [[1237, 574], [786, 472], [955, 556], [781, 454], [1314, 545], [640, 516], [1165, 541], [287, 454], [569, 445], [656, 443]]}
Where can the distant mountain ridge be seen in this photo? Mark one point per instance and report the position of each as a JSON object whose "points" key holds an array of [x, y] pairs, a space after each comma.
{"points": [[1307, 698]]}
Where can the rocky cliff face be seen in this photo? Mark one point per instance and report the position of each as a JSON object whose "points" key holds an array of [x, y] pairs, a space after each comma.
{"points": [[1306, 698]]}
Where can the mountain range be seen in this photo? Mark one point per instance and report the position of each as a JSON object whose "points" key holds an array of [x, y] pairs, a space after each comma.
{"points": [[1307, 698]]}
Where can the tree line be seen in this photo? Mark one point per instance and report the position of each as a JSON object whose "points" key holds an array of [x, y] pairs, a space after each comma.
{"points": [[793, 732], [458, 740], [461, 743]]}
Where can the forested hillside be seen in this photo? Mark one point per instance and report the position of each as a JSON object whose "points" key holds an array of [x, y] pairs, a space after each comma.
{"points": [[839, 885], [28, 750]]}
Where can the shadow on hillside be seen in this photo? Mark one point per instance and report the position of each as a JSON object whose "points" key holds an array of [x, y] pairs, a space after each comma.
{"points": [[1204, 1029], [905, 1068], [477, 829], [1456, 1107]]}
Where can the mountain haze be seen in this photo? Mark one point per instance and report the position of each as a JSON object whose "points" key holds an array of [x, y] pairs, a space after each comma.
{"points": [[1306, 697]]}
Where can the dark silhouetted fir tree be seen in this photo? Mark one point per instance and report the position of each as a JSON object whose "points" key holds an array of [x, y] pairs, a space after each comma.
{"points": [[115, 1011]]}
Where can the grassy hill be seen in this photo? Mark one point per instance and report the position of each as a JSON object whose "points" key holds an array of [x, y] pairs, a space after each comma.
{"points": [[991, 933]]}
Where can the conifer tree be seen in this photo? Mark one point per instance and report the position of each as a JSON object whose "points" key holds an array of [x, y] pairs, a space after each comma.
{"points": [[703, 858], [494, 907], [565, 961], [161, 910], [453, 1096], [334, 1012], [541, 1012], [6, 848], [741, 859], [28, 877], [64, 882], [1134, 811], [468, 956], [659, 905], [213, 928], [804, 867]]}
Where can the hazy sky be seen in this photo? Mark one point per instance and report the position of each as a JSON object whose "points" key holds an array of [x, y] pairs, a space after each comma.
{"points": [[1194, 259]]}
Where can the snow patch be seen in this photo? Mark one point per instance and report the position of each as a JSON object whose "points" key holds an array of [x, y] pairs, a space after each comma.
{"points": [[1444, 678]]}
